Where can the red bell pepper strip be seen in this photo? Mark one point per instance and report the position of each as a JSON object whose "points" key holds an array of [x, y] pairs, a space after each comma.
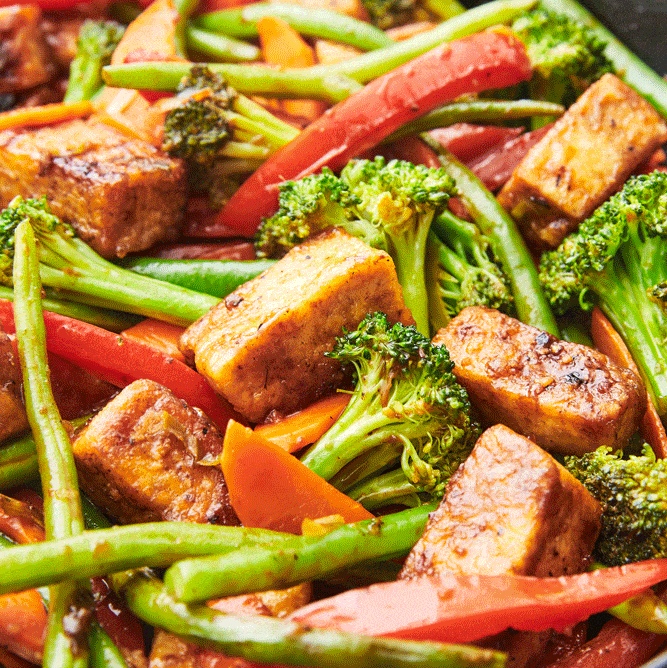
{"points": [[467, 141], [464, 66], [121, 361], [463, 608]]}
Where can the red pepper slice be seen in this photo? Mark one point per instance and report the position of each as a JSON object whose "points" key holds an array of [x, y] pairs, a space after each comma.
{"points": [[121, 361], [463, 608], [468, 65]]}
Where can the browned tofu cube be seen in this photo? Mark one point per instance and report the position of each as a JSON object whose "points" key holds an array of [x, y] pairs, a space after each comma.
{"points": [[138, 459], [13, 418], [263, 347], [585, 157], [510, 508], [121, 195], [565, 396], [25, 57]]}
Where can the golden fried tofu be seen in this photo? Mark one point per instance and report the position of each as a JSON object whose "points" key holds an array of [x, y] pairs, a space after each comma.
{"points": [[585, 157], [263, 347], [510, 508], [121, 195], [565, 396], [139, 459], [13, 418]]}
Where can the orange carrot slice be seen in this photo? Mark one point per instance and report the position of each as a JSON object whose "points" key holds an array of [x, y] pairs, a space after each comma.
{"points": [[271, 489], [283, 46], [46, 114], [609, 341], [306, 426]]}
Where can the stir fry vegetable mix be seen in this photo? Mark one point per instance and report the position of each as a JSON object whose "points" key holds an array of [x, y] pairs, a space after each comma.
{"points": [[397, 123]]}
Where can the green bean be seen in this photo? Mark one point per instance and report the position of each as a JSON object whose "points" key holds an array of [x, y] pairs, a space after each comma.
{"points": [[303, 558], [62, 508], [312, 21], [271, 640], [103, 551], [220, 47], [331, 83], [478, 111], [212, 277], [103, 650], [18, 462], [635, 72], [444, 9], [508, 245], [247, 79]]}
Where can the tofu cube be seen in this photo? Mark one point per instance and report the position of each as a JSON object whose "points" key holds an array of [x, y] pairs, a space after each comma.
{"points": [[510, 508], [585, 157], [139, 459], [567, 397], [263, 347]]}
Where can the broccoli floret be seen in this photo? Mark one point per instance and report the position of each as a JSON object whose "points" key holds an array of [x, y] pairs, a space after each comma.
{"points": [[461, 271], [567, 56], [213, 123], [615, 261], [95, 44], [389, 205], [633, 494], [406, 407], [390, 13], [69, 265], [310, 205]]}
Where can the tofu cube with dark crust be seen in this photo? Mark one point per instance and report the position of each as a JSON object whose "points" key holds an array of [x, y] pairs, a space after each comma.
{"points": [[139, 459], [263, 347], [121, 195], [510, 508], [25, 57], [13, 418], [584, 158], [567, 397]]}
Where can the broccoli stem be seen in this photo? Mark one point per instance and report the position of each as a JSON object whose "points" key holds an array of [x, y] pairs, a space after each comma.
{"points": [[103, 551], [311, 21], [114, 321], [69, 264], [508, 245], [639, 321], [390, 487], [369, 463], [331, 83], [411, 274], [220, 47], [62, 506], [271, 640], [302, 558], [635, 72]]}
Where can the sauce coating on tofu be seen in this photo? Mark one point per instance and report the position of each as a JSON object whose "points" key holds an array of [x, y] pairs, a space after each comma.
{"points": [[121, 195], [263, 347], [583, 159], [567, 397], [13, 418], [510, 508], [138, 459]]}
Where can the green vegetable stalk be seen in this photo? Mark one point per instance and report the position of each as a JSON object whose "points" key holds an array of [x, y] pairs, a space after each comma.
{"points": [[62, 507], [271, 640]]}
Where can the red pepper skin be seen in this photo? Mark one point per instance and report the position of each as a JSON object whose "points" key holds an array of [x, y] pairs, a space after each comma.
{"points": [[463, 608], [468, 65], [121, 361], [467, 142]]}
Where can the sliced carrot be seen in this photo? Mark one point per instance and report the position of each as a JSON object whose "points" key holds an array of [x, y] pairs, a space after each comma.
{"points": [[151, 36], [46, 114], [609, 341], [271, 489], [283, 46], [306, 426], [23, 624], [160, 335]]}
